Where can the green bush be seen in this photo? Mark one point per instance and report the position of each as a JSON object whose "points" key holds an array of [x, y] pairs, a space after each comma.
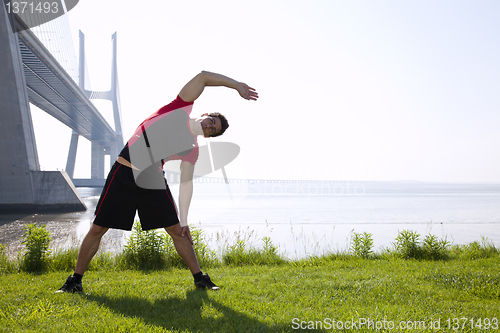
{"points": [[434, 248], [362, 245], [144, 249], [156, 250], [36, 255], [408, 246]]}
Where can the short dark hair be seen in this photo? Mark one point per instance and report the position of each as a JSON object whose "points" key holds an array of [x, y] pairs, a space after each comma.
{"points": [[223, 122]]}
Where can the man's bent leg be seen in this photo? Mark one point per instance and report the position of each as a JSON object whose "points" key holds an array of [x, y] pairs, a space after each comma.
{"points": [[89, 247], [184, 248]]}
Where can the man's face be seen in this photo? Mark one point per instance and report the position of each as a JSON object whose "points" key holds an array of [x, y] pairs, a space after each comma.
{"points": [[210, 125]]}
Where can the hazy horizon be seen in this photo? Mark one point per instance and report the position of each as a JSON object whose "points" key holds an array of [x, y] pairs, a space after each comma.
{"points": [[381, 91]]}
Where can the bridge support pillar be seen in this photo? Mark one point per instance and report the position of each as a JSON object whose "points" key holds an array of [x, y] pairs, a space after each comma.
{"points": [[97, 161], [112, 153], [22, 185], [70, 163]]}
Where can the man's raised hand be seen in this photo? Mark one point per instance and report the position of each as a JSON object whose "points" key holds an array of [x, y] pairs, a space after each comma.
{"points": [[247, 92]]}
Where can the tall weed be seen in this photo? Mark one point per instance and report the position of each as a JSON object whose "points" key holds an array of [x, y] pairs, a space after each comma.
{"points": [[362, 245], [239, 255], [476, 250], [64, 260], [6, 266], [36, 254]]}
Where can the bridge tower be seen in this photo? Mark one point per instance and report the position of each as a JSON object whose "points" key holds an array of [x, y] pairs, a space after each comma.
{"points": [[23, 186], [98, 152]]}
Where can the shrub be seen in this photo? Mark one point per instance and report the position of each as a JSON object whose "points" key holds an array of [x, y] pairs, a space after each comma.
{"points": [[144, 249], [434, 248], [156, 250], [37, 240], [362, 245], [407, 245]]}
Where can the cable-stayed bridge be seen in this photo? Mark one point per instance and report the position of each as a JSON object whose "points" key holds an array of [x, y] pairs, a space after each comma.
{"points": [[30, 73]]}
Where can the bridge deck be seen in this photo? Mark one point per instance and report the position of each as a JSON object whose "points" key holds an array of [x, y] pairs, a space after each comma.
{"points": [[52, 89]]}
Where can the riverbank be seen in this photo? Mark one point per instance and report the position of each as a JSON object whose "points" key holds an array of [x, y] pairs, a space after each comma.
{"points": [[66, 229]]}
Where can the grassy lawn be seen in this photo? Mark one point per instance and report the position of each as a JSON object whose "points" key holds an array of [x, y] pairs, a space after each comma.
{"points": [[296, 296]]}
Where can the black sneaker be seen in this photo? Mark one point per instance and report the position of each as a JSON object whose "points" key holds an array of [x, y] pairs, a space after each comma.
{"points": [[205, 283], [71, 286]]}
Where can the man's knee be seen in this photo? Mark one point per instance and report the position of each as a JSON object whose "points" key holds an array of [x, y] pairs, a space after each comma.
{"points": [[175, 231], [97, 231]]}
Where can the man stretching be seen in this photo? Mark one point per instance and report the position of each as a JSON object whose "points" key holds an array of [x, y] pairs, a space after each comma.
{"points": [[136, 182]]}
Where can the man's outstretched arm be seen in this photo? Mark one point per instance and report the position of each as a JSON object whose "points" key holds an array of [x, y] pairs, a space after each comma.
{"points": [[194, 88]]}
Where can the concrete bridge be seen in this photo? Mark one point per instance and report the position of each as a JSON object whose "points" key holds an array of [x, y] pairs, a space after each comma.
{"points": [[30, 74]]}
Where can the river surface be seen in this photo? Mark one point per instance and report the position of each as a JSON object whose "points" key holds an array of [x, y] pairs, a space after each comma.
{"points": [[302, 218]]}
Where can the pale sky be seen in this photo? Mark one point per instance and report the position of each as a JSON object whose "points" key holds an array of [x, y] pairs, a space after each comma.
{"points": [[349, 90]]}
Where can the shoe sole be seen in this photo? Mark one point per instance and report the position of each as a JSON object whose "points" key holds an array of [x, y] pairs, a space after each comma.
{"points": [[210, 288], [67, 291]]}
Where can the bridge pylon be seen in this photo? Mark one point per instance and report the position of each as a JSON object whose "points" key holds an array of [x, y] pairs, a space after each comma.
{"points": [[23, 186], [98, 152]]}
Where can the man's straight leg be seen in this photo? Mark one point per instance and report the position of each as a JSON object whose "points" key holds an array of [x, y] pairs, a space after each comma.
{"points": [[89, 247]]}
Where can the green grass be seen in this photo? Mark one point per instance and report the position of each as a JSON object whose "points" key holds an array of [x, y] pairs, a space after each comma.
{"points": [[255, 298], [148, 289]]}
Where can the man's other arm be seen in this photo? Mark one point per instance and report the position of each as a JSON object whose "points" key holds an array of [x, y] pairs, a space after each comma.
{"points": [[185, 195], [194, 88]]}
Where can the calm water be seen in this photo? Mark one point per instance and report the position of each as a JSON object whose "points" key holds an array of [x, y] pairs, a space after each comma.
{"points": [[309, 218], [312, 218]]}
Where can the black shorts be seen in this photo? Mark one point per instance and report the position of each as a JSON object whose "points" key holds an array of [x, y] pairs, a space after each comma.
{"points": [[121, 198]]}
